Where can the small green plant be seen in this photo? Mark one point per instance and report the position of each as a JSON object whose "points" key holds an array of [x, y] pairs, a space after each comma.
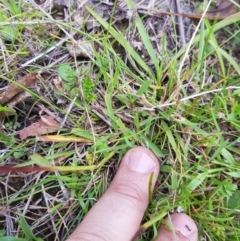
{"points": [[12, 10], [5, 109], [7, 32], [69, 76], [88, 89]]}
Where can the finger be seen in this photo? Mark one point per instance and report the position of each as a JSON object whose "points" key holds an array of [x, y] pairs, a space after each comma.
{"points": [[178, 227], [118, 214]]}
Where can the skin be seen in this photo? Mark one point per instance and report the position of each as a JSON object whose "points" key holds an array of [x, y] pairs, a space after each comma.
{"points": [[119, 212]]}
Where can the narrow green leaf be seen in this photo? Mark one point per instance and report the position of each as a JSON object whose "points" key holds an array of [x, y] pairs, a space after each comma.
{"points": [[144, 87], [228, 157], [121, 40], [171, 139], [109, 111], [234, 174], [39, 160], [222, 24], [197, 181], [150, 186], [74, 168], [144, 35], [12, 239], [26, 229], [174, 180], [230, 59], [152, 146]]}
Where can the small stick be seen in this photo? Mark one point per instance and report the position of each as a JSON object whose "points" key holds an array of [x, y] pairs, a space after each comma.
{"points": [[205, 15], [180, 22], [45, 52]]}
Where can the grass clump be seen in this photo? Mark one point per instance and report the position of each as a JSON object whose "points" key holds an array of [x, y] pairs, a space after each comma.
{"points": [[136, 87]]}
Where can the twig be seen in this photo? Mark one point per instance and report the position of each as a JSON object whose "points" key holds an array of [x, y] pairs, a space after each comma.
{"points": [[45, 52], [180, 22], [194, 16]]}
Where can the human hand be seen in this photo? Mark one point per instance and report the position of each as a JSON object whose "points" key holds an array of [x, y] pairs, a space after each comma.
{"points": [[118, 213]]}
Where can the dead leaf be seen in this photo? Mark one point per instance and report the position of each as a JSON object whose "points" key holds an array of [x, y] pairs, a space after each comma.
{"points": [[18, 98], [46, 125], [49, 121], [225, 8], [15, 88], [58, 138]]}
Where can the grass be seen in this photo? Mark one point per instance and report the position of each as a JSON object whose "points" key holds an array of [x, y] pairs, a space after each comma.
{"points": [[181, 103]]}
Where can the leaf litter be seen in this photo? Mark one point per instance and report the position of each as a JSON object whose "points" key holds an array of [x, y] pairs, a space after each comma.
{"points": [[15, 88], [45, 125]]}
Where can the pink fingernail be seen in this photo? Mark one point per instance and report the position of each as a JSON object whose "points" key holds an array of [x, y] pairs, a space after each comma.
{"points": [[141, 162]]}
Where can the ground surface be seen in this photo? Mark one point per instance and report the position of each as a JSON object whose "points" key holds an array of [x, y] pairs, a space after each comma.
{"points": [[105, 78]]}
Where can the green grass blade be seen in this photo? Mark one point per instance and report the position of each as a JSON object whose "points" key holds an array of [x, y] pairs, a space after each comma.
{"points": [[121, 40], [222, 24], [196, 181], [26, 229], [12, 239]]}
